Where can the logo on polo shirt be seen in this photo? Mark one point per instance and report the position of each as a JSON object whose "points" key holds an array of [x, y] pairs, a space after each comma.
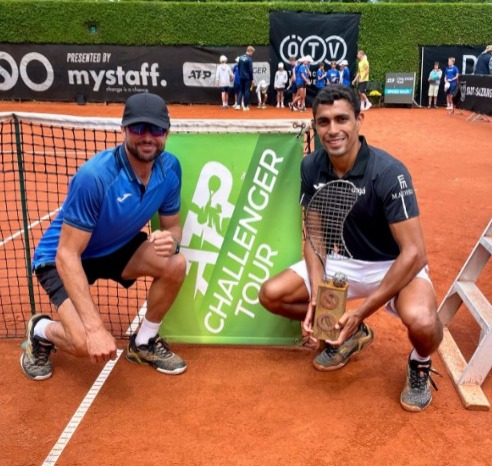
{"points": [[122, 198]]}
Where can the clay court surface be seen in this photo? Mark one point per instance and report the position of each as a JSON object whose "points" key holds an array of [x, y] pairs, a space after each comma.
{"points": [[269, 406]]}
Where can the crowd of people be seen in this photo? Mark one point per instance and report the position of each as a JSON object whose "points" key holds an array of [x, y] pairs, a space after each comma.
{"points": [[288, 84]]}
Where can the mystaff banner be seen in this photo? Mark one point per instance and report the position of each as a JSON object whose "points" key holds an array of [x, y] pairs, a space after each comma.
{"points": [[326, 37], [465, 56], [241, 225], [110, 73]]}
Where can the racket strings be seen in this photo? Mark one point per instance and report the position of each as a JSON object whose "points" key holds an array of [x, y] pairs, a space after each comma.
{"points": [[325, 218]]}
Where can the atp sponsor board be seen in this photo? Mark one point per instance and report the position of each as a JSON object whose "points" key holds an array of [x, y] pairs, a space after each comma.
{"points": [[399, 88], [241, 225]]}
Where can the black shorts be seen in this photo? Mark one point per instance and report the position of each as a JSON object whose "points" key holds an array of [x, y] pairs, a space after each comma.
{"points": [[109, 267], [363, 87]]}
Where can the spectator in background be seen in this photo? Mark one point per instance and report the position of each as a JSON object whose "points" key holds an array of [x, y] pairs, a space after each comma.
{"points": [[262, 93], [235, 71], [223, 79], [333, 75], [320, 77], [361, 79], [292, 89], [484, 62], [344, 73], [246, 80], [451, 74], [434, 81], [279, 84], [303, 80]]}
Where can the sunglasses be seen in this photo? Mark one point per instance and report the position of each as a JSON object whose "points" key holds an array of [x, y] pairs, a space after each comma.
{"points": [[141, 128]]}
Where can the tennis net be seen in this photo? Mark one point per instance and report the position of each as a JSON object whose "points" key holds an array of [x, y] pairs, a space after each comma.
{"points": [[38, 155]]}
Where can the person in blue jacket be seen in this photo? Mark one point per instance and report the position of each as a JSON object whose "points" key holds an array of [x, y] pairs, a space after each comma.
{"points": [[246, 79]]}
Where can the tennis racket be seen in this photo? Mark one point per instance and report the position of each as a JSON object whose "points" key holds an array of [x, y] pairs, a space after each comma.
{"points": [[324, 219]]}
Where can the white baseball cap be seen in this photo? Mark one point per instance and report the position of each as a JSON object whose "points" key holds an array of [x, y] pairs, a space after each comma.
{"points": [[281, 65], [344, 62]]}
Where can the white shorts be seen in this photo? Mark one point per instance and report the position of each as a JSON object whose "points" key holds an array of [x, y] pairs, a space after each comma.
{"points": [[433, 90], [363, 277]]}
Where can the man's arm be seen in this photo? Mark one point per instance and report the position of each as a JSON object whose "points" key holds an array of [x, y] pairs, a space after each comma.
{"points": [[315, 274], [100, 344], [412, 258]]}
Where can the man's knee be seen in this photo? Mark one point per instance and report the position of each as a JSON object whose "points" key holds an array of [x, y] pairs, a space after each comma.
{"points": [[174, 270]]}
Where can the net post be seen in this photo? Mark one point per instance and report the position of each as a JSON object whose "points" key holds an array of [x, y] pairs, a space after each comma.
{"points": [[25, 222]]}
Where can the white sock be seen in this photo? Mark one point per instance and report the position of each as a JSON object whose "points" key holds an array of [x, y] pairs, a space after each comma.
{"points": [[146, 331], [40, 328], [416, 357]]}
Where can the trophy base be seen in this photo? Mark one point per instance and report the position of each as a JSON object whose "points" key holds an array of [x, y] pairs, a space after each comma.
{"points": [[330, 307]]}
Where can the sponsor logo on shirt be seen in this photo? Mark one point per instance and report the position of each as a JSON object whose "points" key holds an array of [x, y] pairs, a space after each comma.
{"points": [[123, 197]]}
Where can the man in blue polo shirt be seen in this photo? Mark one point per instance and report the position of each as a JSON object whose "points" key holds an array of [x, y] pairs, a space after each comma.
{"points": [[98, 234], [384, 236]]}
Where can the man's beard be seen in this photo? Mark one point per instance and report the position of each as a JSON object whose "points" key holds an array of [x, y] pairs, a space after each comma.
{"points": [[132, 149]]}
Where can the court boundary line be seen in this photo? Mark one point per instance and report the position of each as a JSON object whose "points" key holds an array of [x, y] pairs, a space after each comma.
{"points": [[30, 227], [86, 403]]}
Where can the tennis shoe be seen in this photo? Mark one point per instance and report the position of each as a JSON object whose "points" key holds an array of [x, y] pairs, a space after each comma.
{"points": [[335, 357], [35, 361], [155, 353], [416, 394]]}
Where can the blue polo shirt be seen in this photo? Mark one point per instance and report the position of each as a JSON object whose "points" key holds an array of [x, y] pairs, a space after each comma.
{"points": [[386, 196], [106, 199]]}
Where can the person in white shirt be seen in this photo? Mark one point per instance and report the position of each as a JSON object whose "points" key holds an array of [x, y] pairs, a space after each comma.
{"points": [[279, 84], [262, 93], [223, 78]]}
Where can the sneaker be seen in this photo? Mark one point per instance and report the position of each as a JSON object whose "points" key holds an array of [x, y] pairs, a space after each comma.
{"points": [[368, 105], [35, 361], [435, 106], [237, 107], [246, 109], [278, 105], [335, 357], [282, 106], [155, 353], [428, 106], [416, 394], [263, 105]]}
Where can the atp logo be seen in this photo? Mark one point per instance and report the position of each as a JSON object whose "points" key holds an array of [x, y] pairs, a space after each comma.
{"points": [[205, 224], [332, 48]]}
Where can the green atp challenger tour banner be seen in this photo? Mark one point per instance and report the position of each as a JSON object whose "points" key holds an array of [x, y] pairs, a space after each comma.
{"points": [[241, 225]]}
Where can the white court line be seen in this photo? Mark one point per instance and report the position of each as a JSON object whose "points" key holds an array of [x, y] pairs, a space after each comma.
{"points": [[30, 227], [66, 435]]}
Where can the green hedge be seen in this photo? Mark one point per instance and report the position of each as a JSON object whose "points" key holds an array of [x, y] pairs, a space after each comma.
{"points": [[390, 33]]}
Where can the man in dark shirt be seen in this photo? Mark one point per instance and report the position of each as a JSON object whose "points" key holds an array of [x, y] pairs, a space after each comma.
{"points": [[383, 234], [246, 80], [484, 62]]}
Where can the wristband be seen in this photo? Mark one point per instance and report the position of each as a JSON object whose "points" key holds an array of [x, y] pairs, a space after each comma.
{"points": [[178, 246]]}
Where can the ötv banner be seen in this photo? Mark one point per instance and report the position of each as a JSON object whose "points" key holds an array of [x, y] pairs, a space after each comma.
{"points": [[325, 37], [241, 225]]}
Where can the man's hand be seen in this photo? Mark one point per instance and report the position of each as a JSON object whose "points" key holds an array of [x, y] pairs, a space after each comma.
{"points": [[165, 245], [348, 323], [307, 324], [101, 346]]}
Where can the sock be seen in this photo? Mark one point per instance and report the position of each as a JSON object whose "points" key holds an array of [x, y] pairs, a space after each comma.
{"points": [[416, 357], [146, 331], [40, 328]]}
